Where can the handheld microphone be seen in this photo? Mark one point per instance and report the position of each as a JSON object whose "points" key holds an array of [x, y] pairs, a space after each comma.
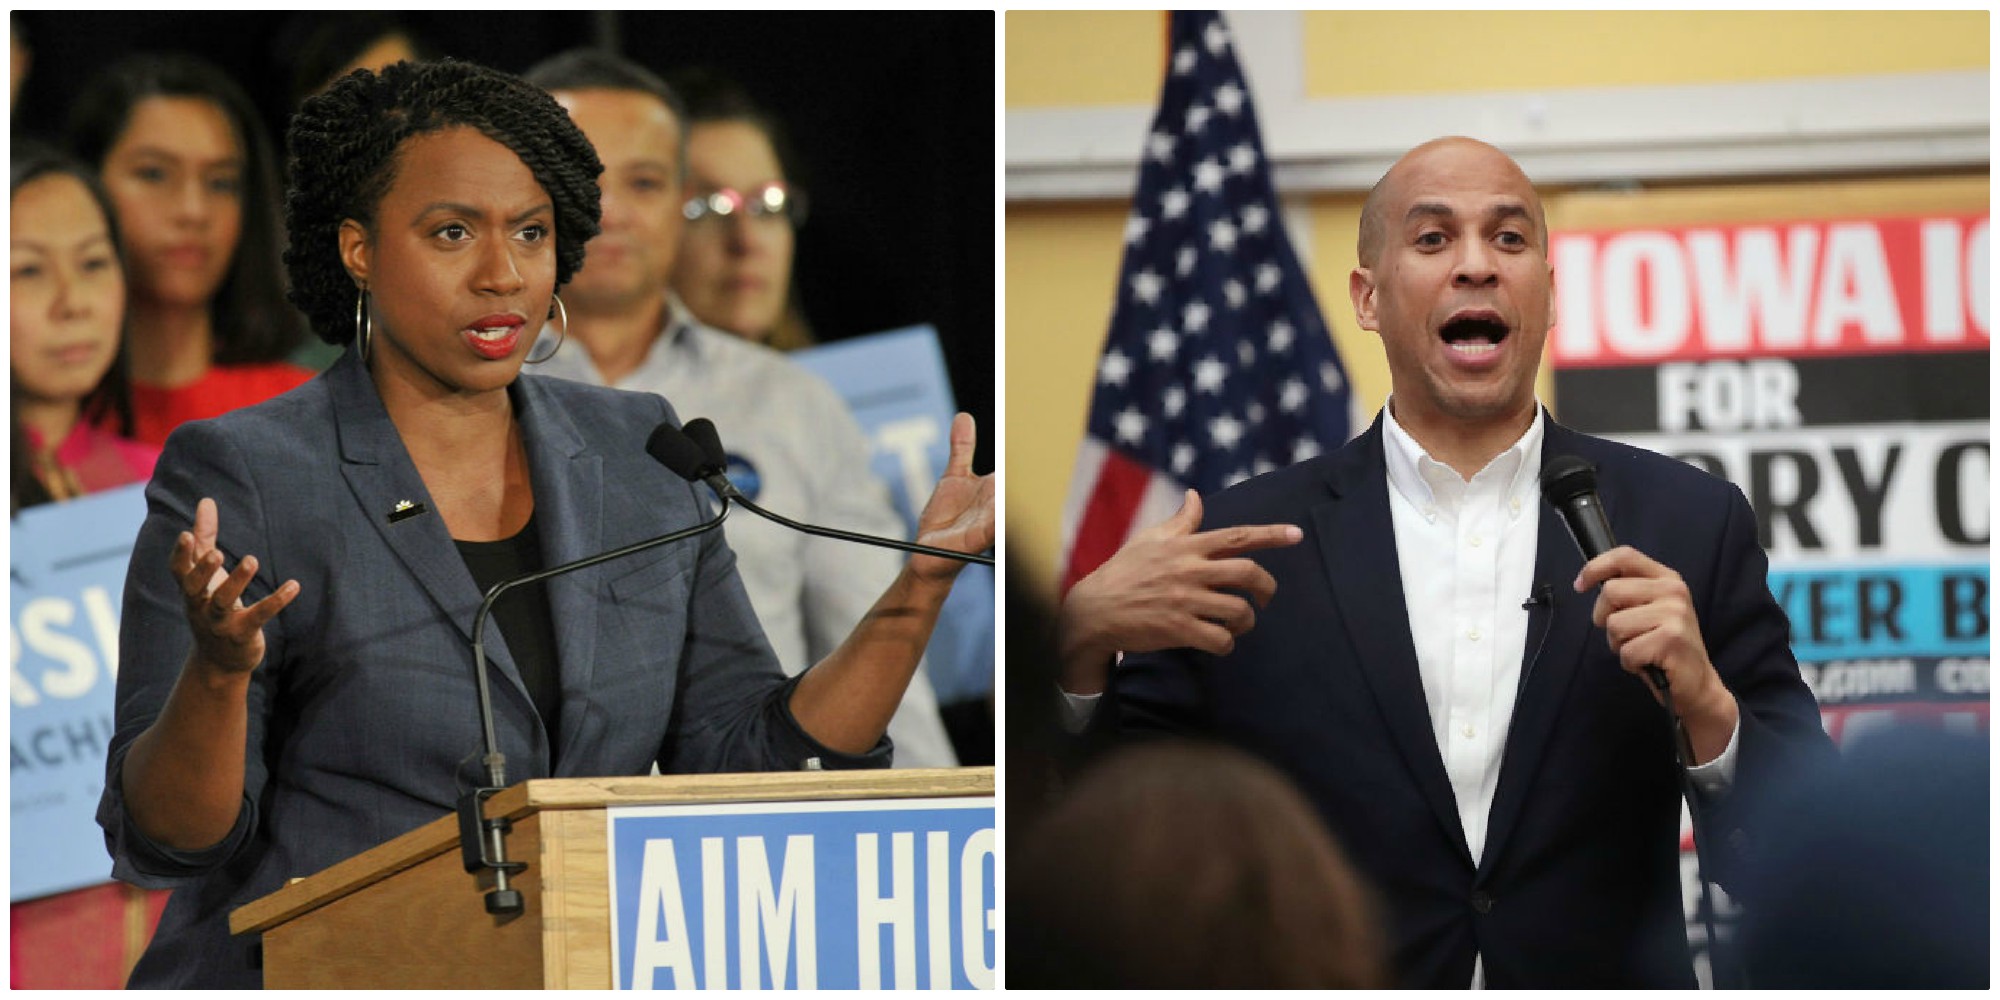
{"points": [[1569, 484], [483, 840], [672, 446]]}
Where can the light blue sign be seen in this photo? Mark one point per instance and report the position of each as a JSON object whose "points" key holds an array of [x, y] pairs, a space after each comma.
{"points": [[899, 391], [893, 894], [69, 564]]}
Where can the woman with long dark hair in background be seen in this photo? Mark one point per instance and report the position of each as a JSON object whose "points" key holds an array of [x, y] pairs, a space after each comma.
{"points": [[71, 421], [194, 180]]}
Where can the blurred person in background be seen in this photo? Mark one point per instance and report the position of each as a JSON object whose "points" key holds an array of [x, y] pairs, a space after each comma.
{"points": [[735, 265], [315, 48], [191, 174], [72, 417], [793, 445], [1875, 869], [1187, 865]]}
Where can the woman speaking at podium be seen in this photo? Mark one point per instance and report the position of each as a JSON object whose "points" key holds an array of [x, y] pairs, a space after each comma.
{"points": [[296, 681]]}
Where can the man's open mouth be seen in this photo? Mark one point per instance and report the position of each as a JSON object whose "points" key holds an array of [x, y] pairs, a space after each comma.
{"points": [[1475, 334]]}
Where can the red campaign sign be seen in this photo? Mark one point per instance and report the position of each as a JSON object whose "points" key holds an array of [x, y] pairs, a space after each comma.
{"points": [[1778, 289]]}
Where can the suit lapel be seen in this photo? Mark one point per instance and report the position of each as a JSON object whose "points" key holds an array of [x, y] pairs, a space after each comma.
{"points": [[569, 506], [381, 477], [1358, 545], [1550, 660]]}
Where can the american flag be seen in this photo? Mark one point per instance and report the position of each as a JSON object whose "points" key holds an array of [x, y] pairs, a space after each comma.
{"points": [[1218, 366]]}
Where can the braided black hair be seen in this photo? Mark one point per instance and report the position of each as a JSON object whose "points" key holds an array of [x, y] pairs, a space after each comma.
{"points": [[344, 144]]}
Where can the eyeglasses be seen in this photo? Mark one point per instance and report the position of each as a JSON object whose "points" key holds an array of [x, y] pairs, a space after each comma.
{"points": [[770, 201]]}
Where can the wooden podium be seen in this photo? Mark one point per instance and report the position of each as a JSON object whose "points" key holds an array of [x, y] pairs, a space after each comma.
{"points": [[406, 914]]}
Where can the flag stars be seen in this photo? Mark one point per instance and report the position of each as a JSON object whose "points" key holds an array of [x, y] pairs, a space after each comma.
{"points": [[1254, 413], [1304, 448], [1146, 286], [1208, 176], [1209, 374], [1215, 37], [1185, 262], [1174, 400], [1160, 145], [1225, 431], [1131, 426], [1234, 292], [1330, 377], [1280, 341], [1255, 218], [1162, 344], [1292, 395], [1194, 316], [1113, 369], [1246, 355], [1136, 228], [1183, 459], [1221, 236], [1174, 203], [1229, 99], [1242, 158], [1197, 118], [1268, 277], [1184, 61]]}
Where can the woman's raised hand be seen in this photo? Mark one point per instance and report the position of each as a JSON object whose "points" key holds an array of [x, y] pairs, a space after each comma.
{"points": [[227, 635]]}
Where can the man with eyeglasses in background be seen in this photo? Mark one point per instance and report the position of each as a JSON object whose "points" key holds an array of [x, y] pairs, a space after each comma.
{"points": [[793, 446]]}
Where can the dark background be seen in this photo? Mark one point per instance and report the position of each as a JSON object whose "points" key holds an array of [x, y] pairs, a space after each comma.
{"points": [[892, 116]]}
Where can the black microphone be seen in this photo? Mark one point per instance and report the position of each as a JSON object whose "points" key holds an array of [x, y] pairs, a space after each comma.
{"points": [[1569, 484], [671, 446], [477, 834]]}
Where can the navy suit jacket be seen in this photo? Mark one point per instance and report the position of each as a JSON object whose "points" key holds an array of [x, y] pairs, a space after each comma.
{"points": [[1579, 882], [363, 716]]}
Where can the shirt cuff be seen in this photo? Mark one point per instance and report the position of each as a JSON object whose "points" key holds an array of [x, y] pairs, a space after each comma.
{"points": [[1714, 778], [1077, 710]]}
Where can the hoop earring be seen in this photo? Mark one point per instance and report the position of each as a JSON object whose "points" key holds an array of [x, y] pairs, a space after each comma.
{"points": [[364, 328], [562, 333]]}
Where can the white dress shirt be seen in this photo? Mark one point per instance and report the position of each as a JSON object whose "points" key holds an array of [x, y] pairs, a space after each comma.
{"points": [[812, 462]]}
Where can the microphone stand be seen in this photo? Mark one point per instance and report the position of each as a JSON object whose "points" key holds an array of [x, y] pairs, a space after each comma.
{"points": [[481, 839]]}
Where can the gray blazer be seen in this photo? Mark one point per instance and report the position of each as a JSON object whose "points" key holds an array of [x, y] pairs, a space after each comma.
{"points": [[363, 717]]}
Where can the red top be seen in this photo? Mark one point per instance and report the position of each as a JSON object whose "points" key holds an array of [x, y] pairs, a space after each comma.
{"points": [[156, 411], [91, 459]]}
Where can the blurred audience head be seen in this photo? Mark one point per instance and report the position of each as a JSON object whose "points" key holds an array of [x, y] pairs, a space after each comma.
{"points": [[1874, 871], [635, 122], [344, 143], [20, 59], [319, 47], [744, 206], [193, 178], [1173, 865], [67, 298]]}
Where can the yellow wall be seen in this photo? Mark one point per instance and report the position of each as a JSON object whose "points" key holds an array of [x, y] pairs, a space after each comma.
{"points": [[1062, 258], [1356, 53]]}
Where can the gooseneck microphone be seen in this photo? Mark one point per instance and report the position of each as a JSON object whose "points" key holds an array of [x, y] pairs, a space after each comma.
{"points": [[672, 446], [483, 840]]}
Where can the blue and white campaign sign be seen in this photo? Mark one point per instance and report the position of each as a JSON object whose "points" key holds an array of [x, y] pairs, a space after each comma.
{"points": [[897, 387], [68, 583], [878, 894]]}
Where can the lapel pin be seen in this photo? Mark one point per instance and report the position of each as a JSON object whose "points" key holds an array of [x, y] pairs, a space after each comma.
{"points": [[404, 510]]}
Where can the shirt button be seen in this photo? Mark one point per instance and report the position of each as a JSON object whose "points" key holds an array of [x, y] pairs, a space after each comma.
{"points": [[1473, 635], [1482, 902], [1514, 505], [1475, 541], [1469, 732]]}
